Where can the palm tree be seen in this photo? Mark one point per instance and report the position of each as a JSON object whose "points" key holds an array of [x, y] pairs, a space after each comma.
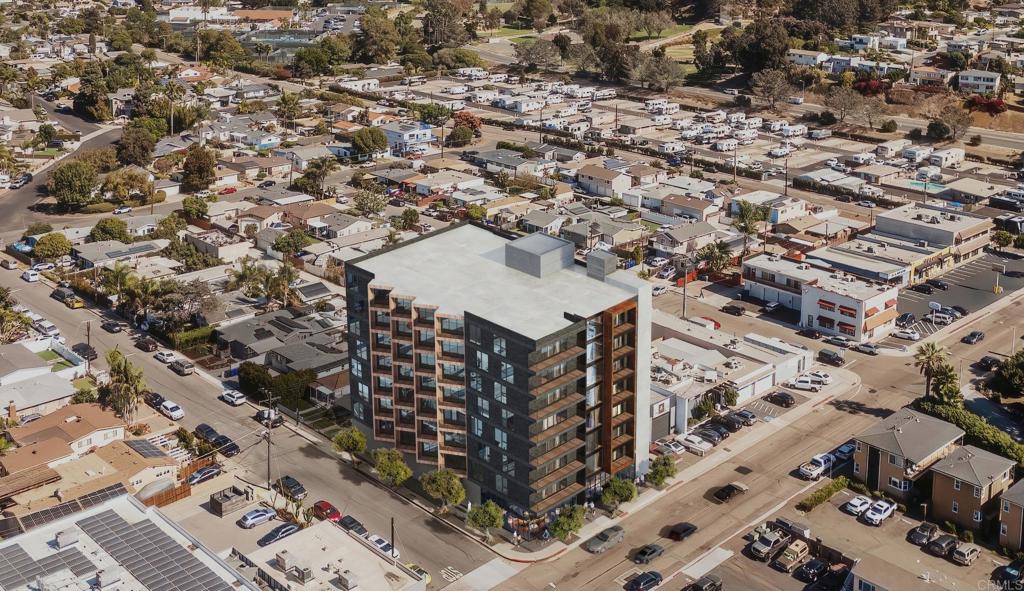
{"points": [[319, 169], [746, 219], [288, 106], [248, 277], [927, 359], [263, 49], [173, 91], [715, 257], [118, 279], [8, 163], [126, 385], [282, 280], [946, 385]]}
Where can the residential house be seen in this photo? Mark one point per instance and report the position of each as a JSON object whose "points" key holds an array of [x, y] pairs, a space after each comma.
{"points": [[684, 239], [603, 182], [930, 76], [892, 454], [107, 252], [121, 103], [309, 217], [689, 207], [542, 221], [966, 484], [251, 168], [1011, 517], [251, 339], [407, 137], [224, 214], [224, 246], [511, 162], [319, 355], [61, 436], [301, 156], [805, 57], [644, 175], [343, 224], [979, 81], [595, 228]]}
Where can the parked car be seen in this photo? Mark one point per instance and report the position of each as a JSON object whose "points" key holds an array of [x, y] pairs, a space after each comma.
{"points": [[938, 284], [772, 307], [923, 288], [147, 344], [420, 571], [182, 367], [278, 533], [384, 546], [40, 267], [85, 351], [812, 570], [648, 553], [923, 534], [206, 433], [671, 447], [831, 357], [171, 410], [783, 399], [730, 422], [266, 184], [857, 505], [203, 474], [706, 583], [839, 341], [291, 488], [965, 554], [824, 377], [681, 531], [695, 443], [804, 383], [746, 416], [605, 540], [868, 348], [667, 273], [1010, 576], [326, 511], [31, 276], [722, 431], [905, 319], [712, 437], [657, 290], [164, 356], [768, 544], [269, 418], [226, 446], [908, 334], [112, 327], [879, 512], [845, 451], [942, 546], [9, 264], [817, 466], [733, 309], [644, 581], [960, 310], [727, 492], [974, 337], [153, 399], [811, 333], [122, 210], [228, 191], [988, 362], [233, 397], [256, 517], [353, 525]]}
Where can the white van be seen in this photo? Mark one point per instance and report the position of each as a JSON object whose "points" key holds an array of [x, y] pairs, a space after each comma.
{"points": [[862, 158], [604, 94], [661, 119], [46, 327], [940, 319], [681, 124], [797, 130], [805, 383], [30, 276], [460, 89], [655, 105], [726, 145]]}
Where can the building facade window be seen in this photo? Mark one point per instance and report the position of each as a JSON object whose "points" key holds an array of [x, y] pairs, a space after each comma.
{"points": [[1002, 529], [956, 507], [856, 468], [501, 484], [893, 460], [476, 426], [484, 407], [977, 492], [508, 372], [500, 438], [500, 346], [500, 393], [956, 484], [976, 515], [482, 360], [1006, 506]]}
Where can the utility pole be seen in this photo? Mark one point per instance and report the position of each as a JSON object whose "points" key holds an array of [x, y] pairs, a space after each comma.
{"points": [[88, 333], [394, 542], [271, 403], [785, 186], [686, 273]]}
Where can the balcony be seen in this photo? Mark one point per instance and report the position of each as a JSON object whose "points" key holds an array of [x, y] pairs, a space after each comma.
{"points": [[556, 475], [398, 312], [556, 406], [453, 380], [621, 418], [558, 451], [622, 327], [621, 440], [557, 498], [459, 424], [623, 373], [554, 383], [621, 396], [570, 353], [570, 423], [621, 351], [380, 304], [451, 356], [425, 344], [621, 464], [424, 322]]}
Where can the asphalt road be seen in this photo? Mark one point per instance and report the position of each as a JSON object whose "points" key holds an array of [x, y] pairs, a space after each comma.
{"points": [[420, 537]]}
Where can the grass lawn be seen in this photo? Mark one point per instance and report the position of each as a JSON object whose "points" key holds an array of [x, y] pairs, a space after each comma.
{"points": [[669, 32], [507, 32], [60, 366], [680, 53], [523, 39], [653, 227], [48, 355], [83, 384]]}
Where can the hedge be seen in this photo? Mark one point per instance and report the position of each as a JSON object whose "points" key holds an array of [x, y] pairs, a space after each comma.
{"points": [[977, 431], [822, 495], [187, 339]]}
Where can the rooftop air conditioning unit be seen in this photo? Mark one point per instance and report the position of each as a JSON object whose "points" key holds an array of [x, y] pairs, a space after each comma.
{"points": [[67, 538], [348, 580], [108, 577]]}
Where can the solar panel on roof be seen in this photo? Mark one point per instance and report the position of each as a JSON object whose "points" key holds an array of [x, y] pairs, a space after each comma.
{"points": [[44, 516], [145, 448], [17, 568], [102, 495]]}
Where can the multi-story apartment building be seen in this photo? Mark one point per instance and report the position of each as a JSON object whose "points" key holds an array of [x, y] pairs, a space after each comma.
{"points": [[1011, 517], [979, 81], [828, 300], [965, 485], [505, 361]]}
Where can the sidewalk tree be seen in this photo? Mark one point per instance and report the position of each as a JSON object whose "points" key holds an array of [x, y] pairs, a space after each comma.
{"points": [[444, 486], [1002, 239], [290, 388], [618, 491], [369, 140], [291, 243], [391, 467], [72, 184], [110, 229], [568, 522], [351, 441], [460, 136], [485, 517], [662, 468], [771, 86], [467, 119], [927, 359], [410, 217], [52, 246], [194, 207], [370, 200], [715, 257], [253, 380]]}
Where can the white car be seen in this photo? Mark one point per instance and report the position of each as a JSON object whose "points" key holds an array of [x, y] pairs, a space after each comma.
{"points": [[164, 357], [203, 194], [384, 546], [816, 467], [44, 267], [879, 512], [857, 505], [657, 290], [30, 276], [906, 333], [671, 447], [658, 262], [233, 397], [831, 162], [731, 92], [821, 376], [779, 152], [122, 209], [695, 444], [171, 410]]}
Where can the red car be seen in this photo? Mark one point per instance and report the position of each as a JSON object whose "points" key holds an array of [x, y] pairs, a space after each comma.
{"points": [[326, 511], [228, 191]]}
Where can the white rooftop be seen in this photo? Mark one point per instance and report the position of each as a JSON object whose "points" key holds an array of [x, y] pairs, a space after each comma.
{"points": [[463, 270], [825, 279]]}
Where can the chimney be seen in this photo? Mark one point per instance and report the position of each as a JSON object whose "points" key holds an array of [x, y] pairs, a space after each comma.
{"points": [[12, 412]]}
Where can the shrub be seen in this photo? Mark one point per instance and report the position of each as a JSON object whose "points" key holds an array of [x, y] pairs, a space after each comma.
{"points": [[188, 339], [889, 126], [662, 468], [827, 118], [858, 487], [569, 521], [915, 134], [823, 494], [975, 140], [967, 536], [949, 527], [618, 491], [101, 207], [977, 431]]}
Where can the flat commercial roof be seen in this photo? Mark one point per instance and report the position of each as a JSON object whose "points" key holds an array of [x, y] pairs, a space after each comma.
{"points": [[821, 278], [950, 220], [463, 270]]}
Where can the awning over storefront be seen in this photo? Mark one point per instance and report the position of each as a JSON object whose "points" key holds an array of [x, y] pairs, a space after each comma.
{"points": [[848, 310], [870, 312], [890, 303], [880, 319], [826, 304]]}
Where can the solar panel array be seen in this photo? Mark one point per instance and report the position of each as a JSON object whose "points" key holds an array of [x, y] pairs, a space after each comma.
{"points": [[44, 516], [150, 555], [17, 568], [102, 495], [145, 448]]}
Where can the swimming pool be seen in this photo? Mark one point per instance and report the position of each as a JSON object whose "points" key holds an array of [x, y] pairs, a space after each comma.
{"points": [[931, 186]]}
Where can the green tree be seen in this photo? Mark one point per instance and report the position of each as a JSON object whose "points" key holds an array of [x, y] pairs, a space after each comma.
{"points": [[945, 385], [46, 134], [85, 395], [377, 41], [476, 212], [14, 326], [254, 380], [136, 146], [714, 257], [662, 468], [318, 170], [291, 243], [745, 220], [410, 217], [194, 207], [198, 168], [52, 246], [460, 136], [467, 119], [289, 107], [370, 200], [927, 359], [730, 396], [443, 486], [72, 184], [433, 113], [771, 86], [568, 522], [126, 386], [1002, 239], [485, 517], [110, 229], [290, 388], [391, 467], [618, 491], [125, 183], [351, 441], [938, 130], [309, 62], [37, 228], [369, 140]]}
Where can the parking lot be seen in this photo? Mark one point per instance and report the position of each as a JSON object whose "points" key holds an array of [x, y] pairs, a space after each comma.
{"points": [[844, 532]]}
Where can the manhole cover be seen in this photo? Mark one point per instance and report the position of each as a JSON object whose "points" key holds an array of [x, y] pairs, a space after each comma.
{"points": [[743, 470]]}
